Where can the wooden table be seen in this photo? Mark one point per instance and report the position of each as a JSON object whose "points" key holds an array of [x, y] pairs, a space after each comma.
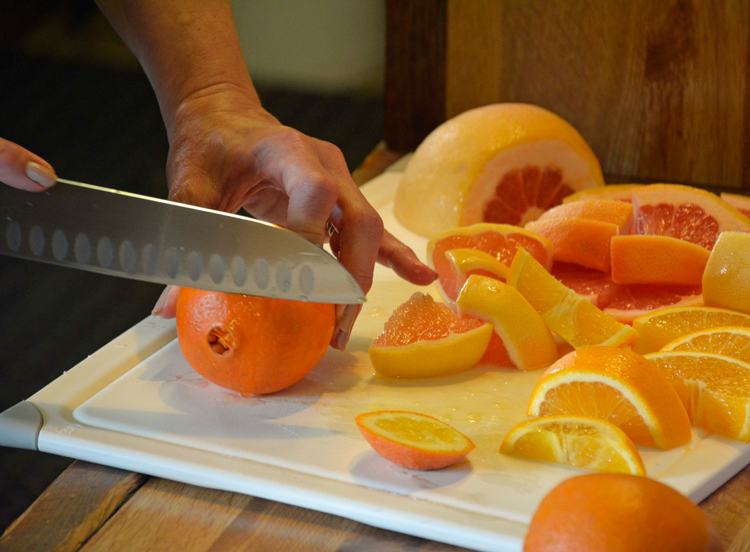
{"points": [[92, 507]]}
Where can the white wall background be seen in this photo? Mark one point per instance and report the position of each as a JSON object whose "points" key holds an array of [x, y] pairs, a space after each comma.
{"points": [[333, 46]]}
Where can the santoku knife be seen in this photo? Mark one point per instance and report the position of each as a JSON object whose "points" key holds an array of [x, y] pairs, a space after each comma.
{"points": [[154, 240]]}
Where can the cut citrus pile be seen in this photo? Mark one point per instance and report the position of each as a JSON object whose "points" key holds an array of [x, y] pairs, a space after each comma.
{"points": [[602, 210], [576, 441], [413, 441], [423, 338], [618, 386], [526, 339], [566, 313], [252, 345], [739, 202], [658, 328], [580, 241], [504, 163], [500, 241], [715, 390], [726, 281], [610, 192], [619, 513], [686, 213], [657, 260], [729, 341]]}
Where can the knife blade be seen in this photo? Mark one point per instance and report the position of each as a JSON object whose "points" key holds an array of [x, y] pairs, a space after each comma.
{"points": [[154, 240]]}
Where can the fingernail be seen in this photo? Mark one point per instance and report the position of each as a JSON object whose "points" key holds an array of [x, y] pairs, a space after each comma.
{"points": [[346, 315], [161, 301], [39, 174]]}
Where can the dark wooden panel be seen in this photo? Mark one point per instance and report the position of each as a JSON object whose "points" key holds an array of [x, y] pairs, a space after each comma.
{"points": [[415, 71]]}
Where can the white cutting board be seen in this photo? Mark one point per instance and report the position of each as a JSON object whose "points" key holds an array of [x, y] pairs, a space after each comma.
{"points": [[302, 446]]}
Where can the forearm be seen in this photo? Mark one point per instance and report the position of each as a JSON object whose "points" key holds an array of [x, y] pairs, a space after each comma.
{"points": [[186, 47]]}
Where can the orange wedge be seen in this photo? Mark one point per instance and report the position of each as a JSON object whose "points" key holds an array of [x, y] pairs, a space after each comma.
{"points": [[657, 260], [413, 441], [565, 312], [726, 281], [499, 241], [715, 390], [579, 241], [528, 342], [423, 339], [602, 210], [577, 441], [614, 192], [465, 262], [618, 386], [659, 327], [729, 341]]}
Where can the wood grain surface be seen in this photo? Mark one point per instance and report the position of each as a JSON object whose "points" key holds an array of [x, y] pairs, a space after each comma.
{"points": [[660, 90]]}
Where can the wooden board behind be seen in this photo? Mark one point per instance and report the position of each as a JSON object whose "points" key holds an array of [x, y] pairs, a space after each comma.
{"points": [[659, 89]]}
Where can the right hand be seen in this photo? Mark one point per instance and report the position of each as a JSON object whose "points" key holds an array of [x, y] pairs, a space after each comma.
{"points": [[19, 168]]}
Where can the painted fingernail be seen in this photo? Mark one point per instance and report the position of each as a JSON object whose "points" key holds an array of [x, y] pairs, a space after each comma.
{"points": [[161, 301], [39, 174]]}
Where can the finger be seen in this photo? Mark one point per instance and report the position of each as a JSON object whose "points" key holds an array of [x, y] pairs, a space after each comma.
{"points": [[166, 305], [404, 262], [22, 169]]}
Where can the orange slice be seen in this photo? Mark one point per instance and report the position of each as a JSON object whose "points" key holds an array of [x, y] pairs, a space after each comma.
{"points": [[465, 262], [612, 192], [618, 386], [602, 210], [424, 339], [525, 337], [731, 341], [565, 312], [726, 280], [715, 390], [579, 241], [739, 202], [657, 260], [504, 163], [500, 241], [686, 213], [577, 441], [658, 328], [413, 441]]}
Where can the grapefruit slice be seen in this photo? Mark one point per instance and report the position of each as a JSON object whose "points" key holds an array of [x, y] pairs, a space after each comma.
{"points": [[504, 163], [500, 241], [657, 260], [685, 213], [739, 202], [423, 339], [601, 210], [578, 441], [413, 441]]}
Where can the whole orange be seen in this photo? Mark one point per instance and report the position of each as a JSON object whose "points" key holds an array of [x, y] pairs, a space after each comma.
{"points": [[618, 513], [254, 345]]}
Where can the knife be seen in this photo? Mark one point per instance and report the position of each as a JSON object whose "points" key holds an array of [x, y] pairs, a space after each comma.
{"points": [[154, 240]]}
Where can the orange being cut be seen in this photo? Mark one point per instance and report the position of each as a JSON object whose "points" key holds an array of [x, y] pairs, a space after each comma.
{"points": [[413, 441], [498, 241], [726, 280], [572, 317], [502, 163], [715, 390], [618, 386], [685, 213], [658, 328], [619, 213], [528, 343], [423, 338], [731, 341], [657, 260], [616, 512], [252, 345], [579, 241], [577, 441]]}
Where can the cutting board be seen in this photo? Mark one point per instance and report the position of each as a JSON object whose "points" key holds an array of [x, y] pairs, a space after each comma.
{"points": [[302, 446]]}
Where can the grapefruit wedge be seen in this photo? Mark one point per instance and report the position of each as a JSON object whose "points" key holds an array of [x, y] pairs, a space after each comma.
{"points": [[504, 163], [739, 202]]}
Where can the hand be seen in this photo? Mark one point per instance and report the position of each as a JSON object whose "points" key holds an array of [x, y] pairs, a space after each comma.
{"points": [[22, 169], [227, 153]]}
